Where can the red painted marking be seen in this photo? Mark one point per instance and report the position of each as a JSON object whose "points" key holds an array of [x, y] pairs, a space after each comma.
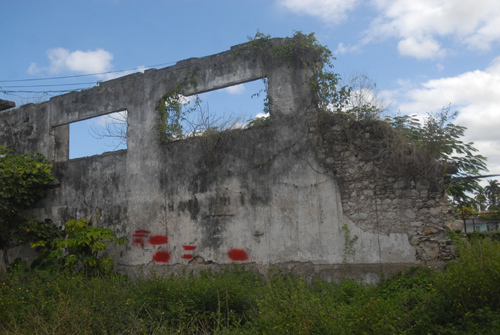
{"points": [[189, 247], [138, 242], [186, 256], [140, 235], [161, 256], [238, 255], [158, 239], [140, 231]]}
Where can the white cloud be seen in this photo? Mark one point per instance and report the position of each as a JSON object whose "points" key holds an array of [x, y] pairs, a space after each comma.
{"points": [[185, 100], [86, 62], [420, 48], [475, 95], [419, 23], [109, 76], [33, 69], [342, 49], [264, 115], [330, 11], [236, 89], [113, 118]]}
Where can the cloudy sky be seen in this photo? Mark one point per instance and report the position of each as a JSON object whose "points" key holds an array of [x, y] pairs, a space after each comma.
{"points": [[422, 54]]}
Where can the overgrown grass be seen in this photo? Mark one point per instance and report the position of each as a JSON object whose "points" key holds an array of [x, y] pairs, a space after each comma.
{"points": [[462, 299]]}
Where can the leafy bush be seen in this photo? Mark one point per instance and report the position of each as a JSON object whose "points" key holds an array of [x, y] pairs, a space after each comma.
{"points": [[77, 247], [24, 179], [82, 246], [42, 237], [471, 282], [476, 235]]}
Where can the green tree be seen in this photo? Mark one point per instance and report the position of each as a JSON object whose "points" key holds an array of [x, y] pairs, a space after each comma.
{"points": [[492, 191], [481, 198], [24, 179], [442, 140]]}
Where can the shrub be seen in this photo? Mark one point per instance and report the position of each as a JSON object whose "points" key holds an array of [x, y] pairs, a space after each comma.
{"points": [[24, 178], [83, 245]]}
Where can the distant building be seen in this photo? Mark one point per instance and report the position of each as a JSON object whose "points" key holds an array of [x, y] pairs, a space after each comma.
{"points": [[484, 222]]}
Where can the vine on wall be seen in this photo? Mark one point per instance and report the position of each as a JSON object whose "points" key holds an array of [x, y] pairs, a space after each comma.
{"points": [[304, 50], [172, 112]]}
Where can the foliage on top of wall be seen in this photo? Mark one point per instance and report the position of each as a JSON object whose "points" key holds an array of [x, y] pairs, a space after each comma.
{"points": [[304, 51], [440, 139], [377, 141]]}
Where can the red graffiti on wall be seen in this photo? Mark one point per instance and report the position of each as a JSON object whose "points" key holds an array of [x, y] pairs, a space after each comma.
{"points": [[139, 238], [161, 256], [238, 255], [158, 240], [189, 251]]}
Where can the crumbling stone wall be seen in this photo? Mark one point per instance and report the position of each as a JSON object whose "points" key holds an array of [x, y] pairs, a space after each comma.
{"points": [[300, 194], [386, 186]]}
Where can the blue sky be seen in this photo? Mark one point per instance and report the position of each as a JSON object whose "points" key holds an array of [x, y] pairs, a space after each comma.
{"points": [[422, 54]]}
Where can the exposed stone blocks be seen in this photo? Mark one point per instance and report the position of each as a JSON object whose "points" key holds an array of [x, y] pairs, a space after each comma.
{"points": [[378, 198]]}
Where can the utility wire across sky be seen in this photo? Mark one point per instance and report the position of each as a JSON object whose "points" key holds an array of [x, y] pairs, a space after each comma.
{"points": [[81, 75]]}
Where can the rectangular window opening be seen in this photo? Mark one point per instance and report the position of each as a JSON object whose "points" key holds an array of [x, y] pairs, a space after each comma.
{"points": [[227, 108], [98, 135]]}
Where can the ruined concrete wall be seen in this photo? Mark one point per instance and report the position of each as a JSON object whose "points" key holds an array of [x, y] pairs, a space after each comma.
{"points": [[387, 187], [264, 196]]}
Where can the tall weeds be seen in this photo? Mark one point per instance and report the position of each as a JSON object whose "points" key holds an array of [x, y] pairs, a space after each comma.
{"points": [[462, 299]]}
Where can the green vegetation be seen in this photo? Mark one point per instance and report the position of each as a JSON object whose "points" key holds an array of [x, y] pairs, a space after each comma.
{"points": [[304, 51], [77, 247], [466, 212], [462, 299], [487, 197], [171, 116], [435, 138], [440, 140], [83, 246], [24, 179]]}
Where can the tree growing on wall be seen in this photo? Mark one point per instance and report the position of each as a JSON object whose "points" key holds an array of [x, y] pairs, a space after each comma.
{"points": [[24, 179], [442, 140], [437, 136]]}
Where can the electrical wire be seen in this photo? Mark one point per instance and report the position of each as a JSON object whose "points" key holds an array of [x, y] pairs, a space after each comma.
{"points": [[46, 85], [81, 75], [23, 91], [11, 92]]}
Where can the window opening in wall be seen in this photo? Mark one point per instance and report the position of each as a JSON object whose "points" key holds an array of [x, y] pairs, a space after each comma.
{"points": [[98, 135], [227, 108]]}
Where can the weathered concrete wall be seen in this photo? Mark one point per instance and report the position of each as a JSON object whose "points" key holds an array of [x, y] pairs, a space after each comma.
{"points": [[265, 196]]}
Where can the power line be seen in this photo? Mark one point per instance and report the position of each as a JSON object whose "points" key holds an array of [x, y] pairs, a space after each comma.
{"points": [[46, 85], [11, 92], [81, 75], [23, 91]]}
